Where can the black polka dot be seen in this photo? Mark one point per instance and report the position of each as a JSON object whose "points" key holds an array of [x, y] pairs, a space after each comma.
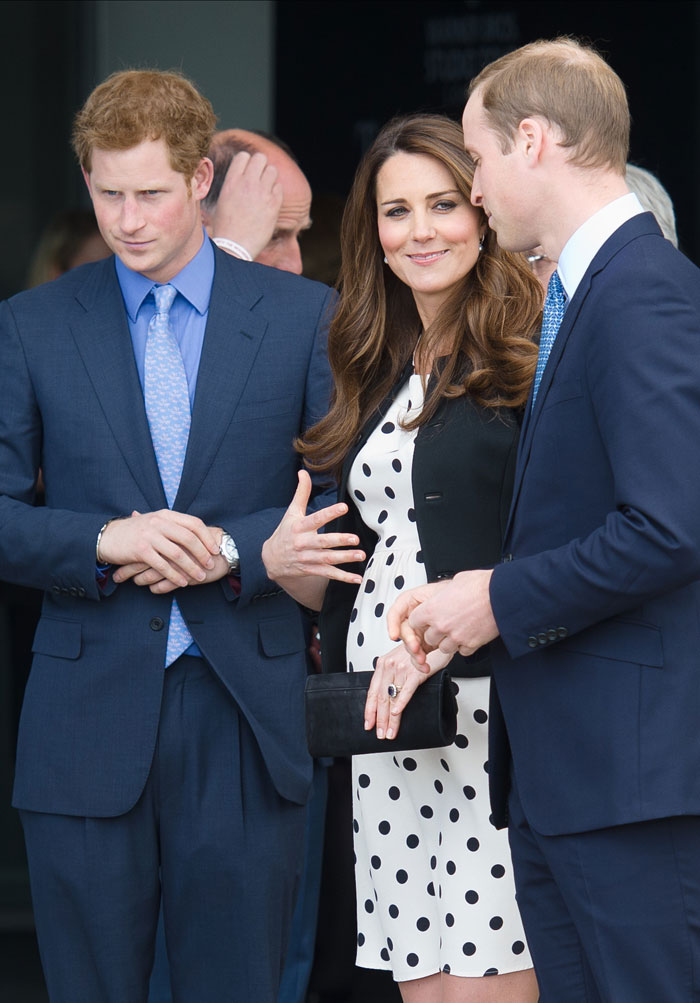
{"points": [[360, 639], [496, 923], [412, 960], [518, 947], [376, 862], [446, 969], [471, 897], [396, 464], [394, 760], [390, 560], [389, 492], [398, 581], [366, 469], [382, 517], [388, 426], [449, 920], [384, 954], [360, 939], [370, 585], [409, 406], [440, 839], [409, 764], [486, 766], [384, 828], [438, 786], [454, 815], [351, 667], [394, 911], [419, 557], [451, 867], [359, 496], [480, 716], [473, 844], [461, 741], [423, 924], [469, 949], [390, 541], [394, 793], [433, 862], [353, 615], [426, 811], [411, 515], [363, 780], [374, 661], [369, 905], [469, 793], [431, 889], [401, 877], [379, 609], [498, 870], [491, 971], [412, 841], [356, 825], [445, 765]]}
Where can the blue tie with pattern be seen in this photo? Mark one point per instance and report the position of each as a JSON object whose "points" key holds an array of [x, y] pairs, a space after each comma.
{"points": [[551, 322], [168, 408]]}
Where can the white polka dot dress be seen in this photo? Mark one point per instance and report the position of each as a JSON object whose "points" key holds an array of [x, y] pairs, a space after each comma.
{"points": [[434, 878]]}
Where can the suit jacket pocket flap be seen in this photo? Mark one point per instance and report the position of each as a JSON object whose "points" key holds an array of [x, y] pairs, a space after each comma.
{"points": [[60, 638], [281, 635], [621, 640]]}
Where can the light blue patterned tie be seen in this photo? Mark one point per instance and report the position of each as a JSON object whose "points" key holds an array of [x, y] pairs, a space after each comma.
{"points": [[168, 408], [551, 322]]}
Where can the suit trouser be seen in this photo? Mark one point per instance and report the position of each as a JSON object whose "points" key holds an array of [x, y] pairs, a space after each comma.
{"points": [[226, 847], [611, 915]]}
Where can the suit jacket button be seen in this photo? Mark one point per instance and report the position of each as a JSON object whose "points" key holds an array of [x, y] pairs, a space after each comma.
{"points": [[552, 634], [562, 631], [73, 591], [156, 623], [81, 593], [56, 589], [542, 638], [532, 641], [507, 558]]}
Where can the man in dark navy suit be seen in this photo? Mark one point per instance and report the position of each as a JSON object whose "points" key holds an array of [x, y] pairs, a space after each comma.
{"points": [[161, 747], [595, 610]]}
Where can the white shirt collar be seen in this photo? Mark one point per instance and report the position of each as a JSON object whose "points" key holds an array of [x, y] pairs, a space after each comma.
{"points": [[583, 245]]}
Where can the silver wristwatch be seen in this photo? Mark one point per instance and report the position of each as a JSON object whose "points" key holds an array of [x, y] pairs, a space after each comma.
{"points": [[229, 551]]}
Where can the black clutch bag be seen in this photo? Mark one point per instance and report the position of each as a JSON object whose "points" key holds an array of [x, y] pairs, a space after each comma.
{"points": [[335, 713]]}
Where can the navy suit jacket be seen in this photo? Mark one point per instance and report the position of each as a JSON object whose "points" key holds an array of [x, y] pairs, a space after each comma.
{"points": [[597, 669], [72, 405]]}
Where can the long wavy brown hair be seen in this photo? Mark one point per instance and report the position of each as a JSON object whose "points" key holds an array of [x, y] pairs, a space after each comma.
{"points": [[488, 322]]}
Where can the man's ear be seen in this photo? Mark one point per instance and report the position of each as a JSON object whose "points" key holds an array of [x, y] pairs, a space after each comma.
{"points": [[86, 177], [530, 139], [202, 178]]}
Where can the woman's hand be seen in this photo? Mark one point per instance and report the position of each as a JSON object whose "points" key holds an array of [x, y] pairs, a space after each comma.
{"points": [[301, 559], [397, 669]]}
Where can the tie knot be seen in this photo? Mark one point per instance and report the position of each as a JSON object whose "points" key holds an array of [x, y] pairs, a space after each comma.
{"points": [[555, 290], [164, 296]]}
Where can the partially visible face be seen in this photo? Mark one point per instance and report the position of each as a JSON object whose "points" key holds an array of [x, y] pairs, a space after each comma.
{"points": [[148, 215], [283, 250], [499, 181], [429, 232]]}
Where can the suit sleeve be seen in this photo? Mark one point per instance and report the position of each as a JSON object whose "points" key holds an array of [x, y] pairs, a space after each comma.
{"points": [[641, 378], [251, 531], [41, 547]]}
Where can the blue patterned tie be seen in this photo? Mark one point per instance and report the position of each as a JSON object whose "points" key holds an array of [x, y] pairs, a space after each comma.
{"points": [[551, 322], [168, 408]]}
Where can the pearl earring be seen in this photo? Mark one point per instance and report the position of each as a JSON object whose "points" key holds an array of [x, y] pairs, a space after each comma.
{"points": [[386, 260], [481, 244]]}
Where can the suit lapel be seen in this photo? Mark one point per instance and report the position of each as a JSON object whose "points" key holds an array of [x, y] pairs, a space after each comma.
{"points": [[231, 343], [643, 223], [101, 333]]}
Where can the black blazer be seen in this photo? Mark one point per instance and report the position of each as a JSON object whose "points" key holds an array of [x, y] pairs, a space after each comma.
{"points": [[462, 476]]}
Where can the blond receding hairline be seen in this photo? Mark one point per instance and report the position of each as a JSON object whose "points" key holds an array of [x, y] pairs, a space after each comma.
{"points": [[569, 85]]}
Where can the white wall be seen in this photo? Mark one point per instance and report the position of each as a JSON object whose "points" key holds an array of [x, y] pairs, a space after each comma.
{"points": [[225, 46]]}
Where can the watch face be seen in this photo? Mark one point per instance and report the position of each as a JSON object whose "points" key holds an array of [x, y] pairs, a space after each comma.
{"points": [[229, 550]]}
